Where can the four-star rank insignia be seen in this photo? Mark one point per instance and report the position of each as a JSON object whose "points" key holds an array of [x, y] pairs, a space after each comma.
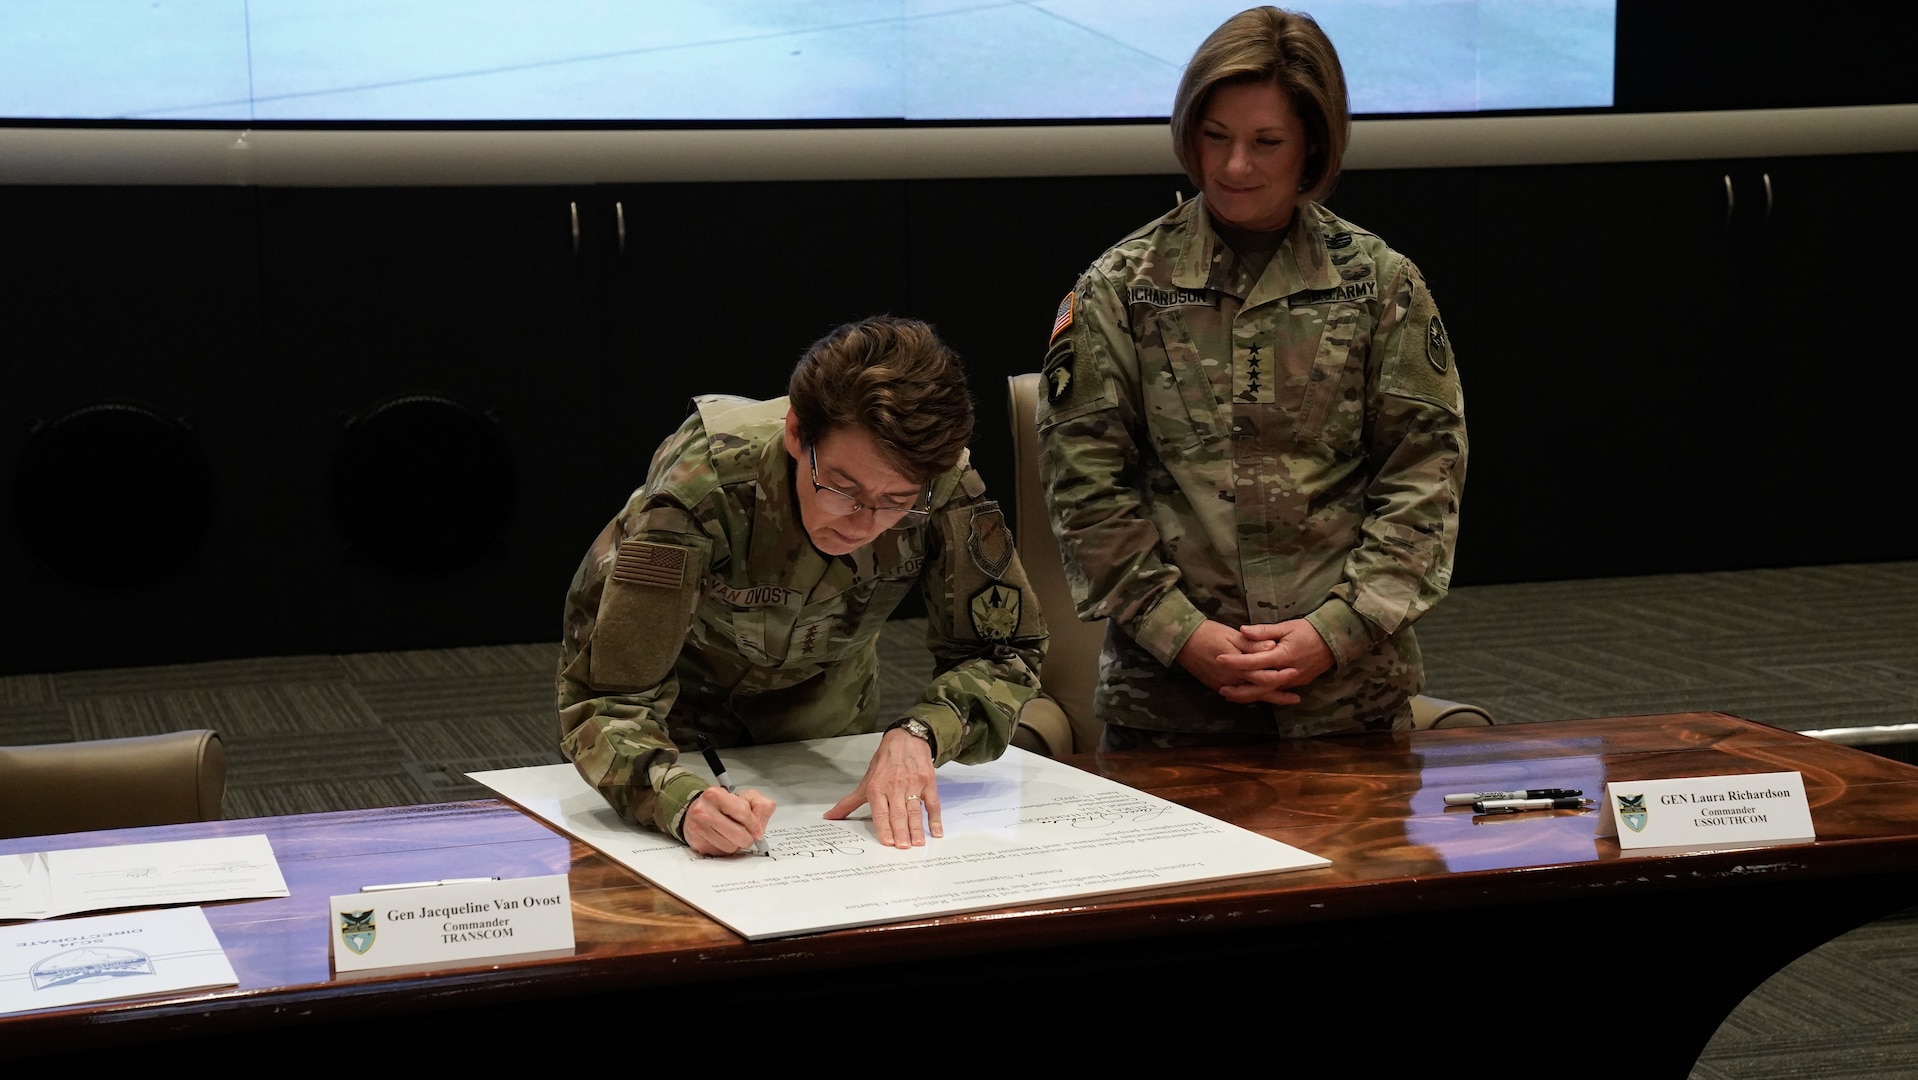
{"points": [[357, 930], [1631, 811], [1249, 378], [995, 611]]}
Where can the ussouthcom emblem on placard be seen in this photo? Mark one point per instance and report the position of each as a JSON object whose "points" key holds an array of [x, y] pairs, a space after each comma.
{"points": [[357, 930], [1631, 811]]}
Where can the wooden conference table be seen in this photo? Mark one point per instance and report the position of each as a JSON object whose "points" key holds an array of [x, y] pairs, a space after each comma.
{"points": [[1452, 943]]}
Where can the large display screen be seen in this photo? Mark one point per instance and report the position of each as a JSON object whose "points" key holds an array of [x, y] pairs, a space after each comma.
{"points": [[750, 61]]}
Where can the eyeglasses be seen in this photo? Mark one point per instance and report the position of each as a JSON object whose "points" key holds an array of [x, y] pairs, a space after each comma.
{"points": [[839, 504]]}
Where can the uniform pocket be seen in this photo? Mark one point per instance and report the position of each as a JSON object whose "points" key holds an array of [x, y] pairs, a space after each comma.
{"points": [[644, 609], [1332, 410], [1183, 407], [864, 611]]}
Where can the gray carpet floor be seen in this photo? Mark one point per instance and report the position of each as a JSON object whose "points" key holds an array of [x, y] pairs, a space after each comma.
{"points": [[1811, 649]]}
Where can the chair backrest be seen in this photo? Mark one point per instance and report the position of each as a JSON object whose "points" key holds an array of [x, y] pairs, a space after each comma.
{"points": [[111, 783], [1431, 712], [1072, 655]]}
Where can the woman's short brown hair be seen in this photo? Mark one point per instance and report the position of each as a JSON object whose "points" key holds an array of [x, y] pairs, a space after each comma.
{"points": [[895, 379], [1265, 44]]}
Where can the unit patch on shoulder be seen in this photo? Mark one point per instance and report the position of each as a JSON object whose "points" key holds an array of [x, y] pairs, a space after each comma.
{"points": [[989, 541], [1438, 348], [1062, 320], [1057, 373], [1419, 361], [995, 611]]}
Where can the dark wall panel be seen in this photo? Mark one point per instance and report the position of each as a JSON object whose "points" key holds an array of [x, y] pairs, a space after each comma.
{"points": [[991, 259], [1656, 379], [147, 296]]}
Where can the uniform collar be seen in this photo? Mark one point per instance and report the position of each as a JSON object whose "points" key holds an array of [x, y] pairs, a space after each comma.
{"points": [[781, 550], [1300, 263]]}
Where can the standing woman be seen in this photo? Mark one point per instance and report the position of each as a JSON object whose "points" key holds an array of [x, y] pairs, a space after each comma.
{"points": [[1253, 434]]}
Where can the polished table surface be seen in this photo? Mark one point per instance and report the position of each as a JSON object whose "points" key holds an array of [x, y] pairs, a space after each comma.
{"points": [[1412, 882]]}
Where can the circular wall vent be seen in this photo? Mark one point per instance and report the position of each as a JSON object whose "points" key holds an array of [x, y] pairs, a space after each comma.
{"points": [[423, 483], [114, 493]]}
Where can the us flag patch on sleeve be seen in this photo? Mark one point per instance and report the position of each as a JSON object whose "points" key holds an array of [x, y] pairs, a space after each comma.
{"points": [[645, 563], [1062, 320]]}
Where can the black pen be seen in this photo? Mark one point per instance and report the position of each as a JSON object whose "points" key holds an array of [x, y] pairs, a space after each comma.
{"points": [[1469, 798], [1513, 806], [718, 767]]}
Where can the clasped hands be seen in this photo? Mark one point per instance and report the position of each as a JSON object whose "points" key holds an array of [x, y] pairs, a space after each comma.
{"points": [[899, 781], [1266, 662]]}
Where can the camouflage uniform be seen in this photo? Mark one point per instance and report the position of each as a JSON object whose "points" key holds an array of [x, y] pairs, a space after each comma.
{"points": [[1252, 451], [704, 607]]}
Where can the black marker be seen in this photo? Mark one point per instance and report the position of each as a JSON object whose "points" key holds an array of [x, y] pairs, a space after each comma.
{"points": [[707, 748], [1529, 793]]}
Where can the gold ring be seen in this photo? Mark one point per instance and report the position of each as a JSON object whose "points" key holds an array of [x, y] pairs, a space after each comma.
{"points": [[912, 798]]}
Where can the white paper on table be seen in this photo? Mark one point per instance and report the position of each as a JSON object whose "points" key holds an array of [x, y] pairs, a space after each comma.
{"points": [[23, 886], [48, 965], [1020, 829], [140, 875]]}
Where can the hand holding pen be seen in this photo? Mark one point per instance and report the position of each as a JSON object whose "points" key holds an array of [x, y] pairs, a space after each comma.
{"points": [[723, 820]]}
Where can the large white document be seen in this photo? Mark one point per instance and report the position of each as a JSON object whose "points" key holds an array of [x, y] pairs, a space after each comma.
{"points": [[52, 964], [1020, 829], [47, 883]]}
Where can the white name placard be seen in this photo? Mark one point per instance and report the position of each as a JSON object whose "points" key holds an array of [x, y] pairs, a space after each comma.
{"points": [[442, 925], [1708, 811]]}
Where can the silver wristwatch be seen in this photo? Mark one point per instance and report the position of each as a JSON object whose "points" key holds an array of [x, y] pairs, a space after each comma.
{"points": [[919, 728]]}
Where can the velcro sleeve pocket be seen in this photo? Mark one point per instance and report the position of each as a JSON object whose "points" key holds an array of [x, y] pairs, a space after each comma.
{"points": [[644, 611]]}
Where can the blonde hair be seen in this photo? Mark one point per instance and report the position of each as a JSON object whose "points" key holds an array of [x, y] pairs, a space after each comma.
{"points": [[896, 380], [1287, 48]]}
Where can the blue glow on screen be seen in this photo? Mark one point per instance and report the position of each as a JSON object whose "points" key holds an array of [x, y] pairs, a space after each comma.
{"points": [[750, 60]]}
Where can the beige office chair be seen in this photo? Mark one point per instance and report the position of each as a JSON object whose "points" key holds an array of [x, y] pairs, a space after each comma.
{"points": [[1431, 712], [1072, 653], [1072, 657], [111, 783]]}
